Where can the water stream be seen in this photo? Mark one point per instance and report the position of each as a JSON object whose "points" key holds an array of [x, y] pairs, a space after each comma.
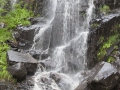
{"points": [[68, 43], [13, 2]]}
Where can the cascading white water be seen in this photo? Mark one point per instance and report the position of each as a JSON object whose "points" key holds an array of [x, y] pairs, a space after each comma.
{"points": [[78, 43], [38, 39], [13, 2], [71, 51]]}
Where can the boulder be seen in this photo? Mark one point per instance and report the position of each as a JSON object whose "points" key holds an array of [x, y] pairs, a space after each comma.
{"points": [[16, 57], [62, 80], [103, 76], [35, 54], [18, 71], [24, 36]]}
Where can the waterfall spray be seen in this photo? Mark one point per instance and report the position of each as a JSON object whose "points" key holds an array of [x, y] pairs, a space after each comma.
{"points": [[70, 53]]}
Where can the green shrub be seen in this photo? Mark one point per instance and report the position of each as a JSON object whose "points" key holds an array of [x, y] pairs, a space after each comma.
{"points": [[105, 9]]}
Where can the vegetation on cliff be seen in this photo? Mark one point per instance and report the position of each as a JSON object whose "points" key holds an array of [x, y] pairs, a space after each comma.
{"points": [[105, 9], [109, 45], [9, 20]]}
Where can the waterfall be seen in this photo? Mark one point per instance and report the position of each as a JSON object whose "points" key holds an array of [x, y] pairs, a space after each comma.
{"points": [[48, 18], [13, 2], [67, 42]]}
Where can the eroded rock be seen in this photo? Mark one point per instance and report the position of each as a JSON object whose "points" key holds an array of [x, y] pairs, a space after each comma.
{"points": [[18, 71], [16, 57], [103, 76]]}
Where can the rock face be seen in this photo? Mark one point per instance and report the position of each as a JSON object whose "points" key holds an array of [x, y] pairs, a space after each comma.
{"points": [[24, 36], [103, 76], [18, 71], [29, 62], [103, 39]]}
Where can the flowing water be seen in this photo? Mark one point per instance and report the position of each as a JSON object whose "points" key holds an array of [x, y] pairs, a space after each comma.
{"points": [[67, 43], [13, 2]]}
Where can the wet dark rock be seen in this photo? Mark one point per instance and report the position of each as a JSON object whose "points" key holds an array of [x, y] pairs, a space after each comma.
{"points": [[103, 76], [56, 76], [29, 62], [18, 71], [35, 54], [25, 36], [7, 86], [105, 26], [44, 56], [62, 80]]}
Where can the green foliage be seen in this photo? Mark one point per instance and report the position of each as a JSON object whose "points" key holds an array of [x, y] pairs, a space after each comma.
{"points": [[2, 3], [11, 19], [105, 9], [94, 25], [16, 17], [111, 59], [106, 44]]}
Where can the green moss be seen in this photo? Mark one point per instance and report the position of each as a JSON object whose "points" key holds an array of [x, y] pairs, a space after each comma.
{"points": [[107, 43], [94, 25], [111, 59], [11, 19], [105, 9]]}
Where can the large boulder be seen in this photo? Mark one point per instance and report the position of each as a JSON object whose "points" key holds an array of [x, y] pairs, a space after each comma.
{"points": [[103, 76], [16, 57], [18, 71]]}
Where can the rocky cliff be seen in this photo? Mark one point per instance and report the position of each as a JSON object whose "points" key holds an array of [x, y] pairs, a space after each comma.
{"points": [[104, 36]]}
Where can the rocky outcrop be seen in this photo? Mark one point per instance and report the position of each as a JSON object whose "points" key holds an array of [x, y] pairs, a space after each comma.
{"points": [[18, 71], [29, 62], [24, 36], [103, 76], [103, 39]]}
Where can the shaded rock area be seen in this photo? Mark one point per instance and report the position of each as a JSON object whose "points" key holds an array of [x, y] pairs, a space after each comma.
{"points": [[103, 76], [104, 39], [26, 84], [24, 36], [18, 71], [29, 62]]}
